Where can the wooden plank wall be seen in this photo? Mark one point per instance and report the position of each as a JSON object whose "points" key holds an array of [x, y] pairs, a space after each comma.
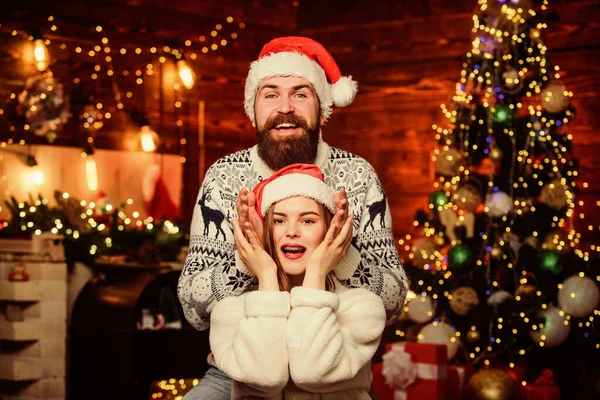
{"points": [[407, 57]]}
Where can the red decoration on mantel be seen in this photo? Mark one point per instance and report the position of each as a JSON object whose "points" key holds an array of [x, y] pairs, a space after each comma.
{"points": [[18, 273]]}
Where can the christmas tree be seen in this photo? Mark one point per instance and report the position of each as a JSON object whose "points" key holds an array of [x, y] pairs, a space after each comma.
{"points": [[498, 273]]}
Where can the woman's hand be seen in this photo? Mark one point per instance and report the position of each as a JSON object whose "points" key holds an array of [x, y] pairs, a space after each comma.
{"points": [[247, 213], [328, 254], [257, 260]]}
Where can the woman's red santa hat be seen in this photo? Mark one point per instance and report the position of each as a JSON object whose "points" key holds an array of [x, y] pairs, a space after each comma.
{"points": [[304, 180], [305, 58]]}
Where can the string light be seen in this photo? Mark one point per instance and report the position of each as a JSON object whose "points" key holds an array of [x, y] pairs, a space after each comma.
{"points": [[91, 171], [30, 218], [106, 53], [41, 55], [187, 75], [148, 139]]}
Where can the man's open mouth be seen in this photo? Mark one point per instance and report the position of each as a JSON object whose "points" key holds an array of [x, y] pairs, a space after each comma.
{"points": [[286, 125]]}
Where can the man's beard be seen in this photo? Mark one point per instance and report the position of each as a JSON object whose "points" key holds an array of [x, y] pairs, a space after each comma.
{"points": [[280, 152]]}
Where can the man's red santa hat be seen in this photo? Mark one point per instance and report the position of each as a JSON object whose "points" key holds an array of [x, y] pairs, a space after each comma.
{"points": [[305, 58]]}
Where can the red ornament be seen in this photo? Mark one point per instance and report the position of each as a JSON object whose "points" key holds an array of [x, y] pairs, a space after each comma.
{"points": [[543, 388]]}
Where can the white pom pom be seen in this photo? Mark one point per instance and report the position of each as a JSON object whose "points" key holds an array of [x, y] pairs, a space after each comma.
{"points": [[344, 91]]}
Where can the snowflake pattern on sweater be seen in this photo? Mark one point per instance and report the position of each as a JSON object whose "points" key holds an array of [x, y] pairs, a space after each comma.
{"points": [[212, 270]]}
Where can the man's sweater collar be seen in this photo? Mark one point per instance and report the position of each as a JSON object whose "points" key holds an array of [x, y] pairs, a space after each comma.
{"points": [[265, 171]]}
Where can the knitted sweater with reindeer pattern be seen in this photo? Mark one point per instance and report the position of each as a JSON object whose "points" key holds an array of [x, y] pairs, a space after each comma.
{"points": [[213, 271]]}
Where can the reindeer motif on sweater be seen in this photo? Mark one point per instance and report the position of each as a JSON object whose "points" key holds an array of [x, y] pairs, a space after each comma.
{"points": [[210, 215], [377, 209]]}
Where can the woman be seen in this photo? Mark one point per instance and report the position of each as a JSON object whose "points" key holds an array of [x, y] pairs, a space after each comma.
{"points": [[301, 335]]}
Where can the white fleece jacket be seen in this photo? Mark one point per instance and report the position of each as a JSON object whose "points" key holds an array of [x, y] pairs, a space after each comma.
{"points": [[307, 344]]}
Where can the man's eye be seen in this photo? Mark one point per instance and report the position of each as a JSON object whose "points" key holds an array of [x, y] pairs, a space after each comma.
{"points": [[301, 95], [270, 96]]}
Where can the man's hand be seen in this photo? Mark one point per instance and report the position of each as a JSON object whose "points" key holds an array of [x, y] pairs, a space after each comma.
{"points": [[245, 204]]}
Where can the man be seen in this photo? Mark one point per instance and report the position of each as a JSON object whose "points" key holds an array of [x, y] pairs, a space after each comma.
{"points": [[290, 92]]}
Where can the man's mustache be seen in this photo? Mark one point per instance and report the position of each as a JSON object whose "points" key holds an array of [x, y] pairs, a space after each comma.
{"points": [[285, 119]]}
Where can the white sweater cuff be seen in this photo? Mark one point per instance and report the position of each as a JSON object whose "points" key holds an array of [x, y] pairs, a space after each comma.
{"points": [[267, 304], [309, 297], [348, 265], [239, 264]]}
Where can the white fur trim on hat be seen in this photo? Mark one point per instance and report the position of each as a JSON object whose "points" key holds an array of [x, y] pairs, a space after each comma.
{"points": [[344, 91], [299, 184], [287, 64]]}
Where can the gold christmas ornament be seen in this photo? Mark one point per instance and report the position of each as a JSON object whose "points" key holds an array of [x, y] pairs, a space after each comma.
{"points": [[511, 77], [554, 97], [473, 336], [555, 195], [525, 290], [439, 240], [491, 384], [463, 300], [424, 252], [557, 241], [467, 197], [495, 154], [497, 252], [511, 81], [448, 162], [535, 35]]}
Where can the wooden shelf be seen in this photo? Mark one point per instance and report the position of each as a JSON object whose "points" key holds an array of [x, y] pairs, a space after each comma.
{"points": [[20, 368], [20, 330], [32, 290], [45, 388], [33, 328]]}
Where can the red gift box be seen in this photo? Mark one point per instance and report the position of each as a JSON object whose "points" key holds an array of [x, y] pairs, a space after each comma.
{"points": [[458, 376], [381, 389], [411, 371], [543, 388]]}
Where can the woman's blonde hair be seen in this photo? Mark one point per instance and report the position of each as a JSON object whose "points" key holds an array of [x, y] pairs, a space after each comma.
{"points": [[268, 240]]}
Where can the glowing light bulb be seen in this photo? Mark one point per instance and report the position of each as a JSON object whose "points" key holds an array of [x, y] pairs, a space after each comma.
{"points": [[40, 53], [91, 172], [187, 75], [36, 175], [147, 138]]}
